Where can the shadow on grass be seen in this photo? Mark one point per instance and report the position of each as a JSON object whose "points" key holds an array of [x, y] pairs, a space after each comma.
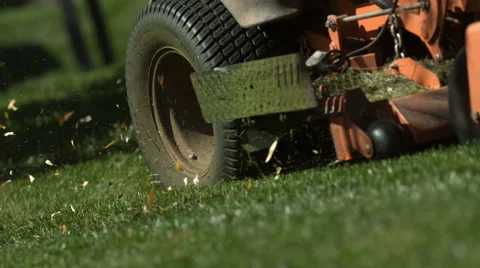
{"points": [[301, 146], [39, 134], [12, 3], [26, 61]]}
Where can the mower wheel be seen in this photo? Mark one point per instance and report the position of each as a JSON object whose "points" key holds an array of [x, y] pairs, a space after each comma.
{"points": [[459, 99], [387, 138], [170, 40]]}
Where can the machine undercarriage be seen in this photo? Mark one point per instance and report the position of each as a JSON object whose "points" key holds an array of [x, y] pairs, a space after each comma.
{"points": [[244, 88]]}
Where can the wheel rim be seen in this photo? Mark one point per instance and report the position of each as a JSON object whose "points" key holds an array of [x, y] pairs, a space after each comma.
{"points": [[186, 137]]}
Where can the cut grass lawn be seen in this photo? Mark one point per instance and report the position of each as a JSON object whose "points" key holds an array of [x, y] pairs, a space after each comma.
{"points": [[417, 210]]}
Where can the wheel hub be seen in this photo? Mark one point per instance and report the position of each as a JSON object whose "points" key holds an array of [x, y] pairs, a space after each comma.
{"points": [[186, 137]]}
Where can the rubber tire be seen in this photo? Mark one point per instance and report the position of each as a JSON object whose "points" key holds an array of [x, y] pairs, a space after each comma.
{"points": [[206, 33], [459, 99]]}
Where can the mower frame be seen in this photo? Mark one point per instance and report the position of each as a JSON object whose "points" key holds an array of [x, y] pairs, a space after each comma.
{"points": [[420, 118]]}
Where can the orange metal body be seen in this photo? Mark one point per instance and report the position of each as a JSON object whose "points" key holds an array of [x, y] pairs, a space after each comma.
{"points": [[366, 29], [416, 72], [348, 123], [427, 24], [473, 64], [367, 62], [423, 117]]}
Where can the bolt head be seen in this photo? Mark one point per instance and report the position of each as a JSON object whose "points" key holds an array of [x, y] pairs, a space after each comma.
{"points": [[330, 24], [368, 149]]}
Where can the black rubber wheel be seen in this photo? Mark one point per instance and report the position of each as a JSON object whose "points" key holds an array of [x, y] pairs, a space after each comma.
{"points": [[459, 99], [170, 40], [388, 140]]}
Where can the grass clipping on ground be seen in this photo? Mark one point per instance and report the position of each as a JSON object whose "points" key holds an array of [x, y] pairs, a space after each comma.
{"points": [[381, 85]]}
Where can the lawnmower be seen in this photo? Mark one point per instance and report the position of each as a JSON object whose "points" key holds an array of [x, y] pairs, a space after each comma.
{"points": [[222, 89]]}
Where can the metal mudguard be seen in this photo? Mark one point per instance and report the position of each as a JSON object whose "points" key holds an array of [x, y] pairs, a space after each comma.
{"points": [[250, 13], [269, 86]]}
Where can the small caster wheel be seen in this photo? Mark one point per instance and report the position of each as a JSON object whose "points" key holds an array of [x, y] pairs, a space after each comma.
{"points": [[387, 138], [459, 99]]}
